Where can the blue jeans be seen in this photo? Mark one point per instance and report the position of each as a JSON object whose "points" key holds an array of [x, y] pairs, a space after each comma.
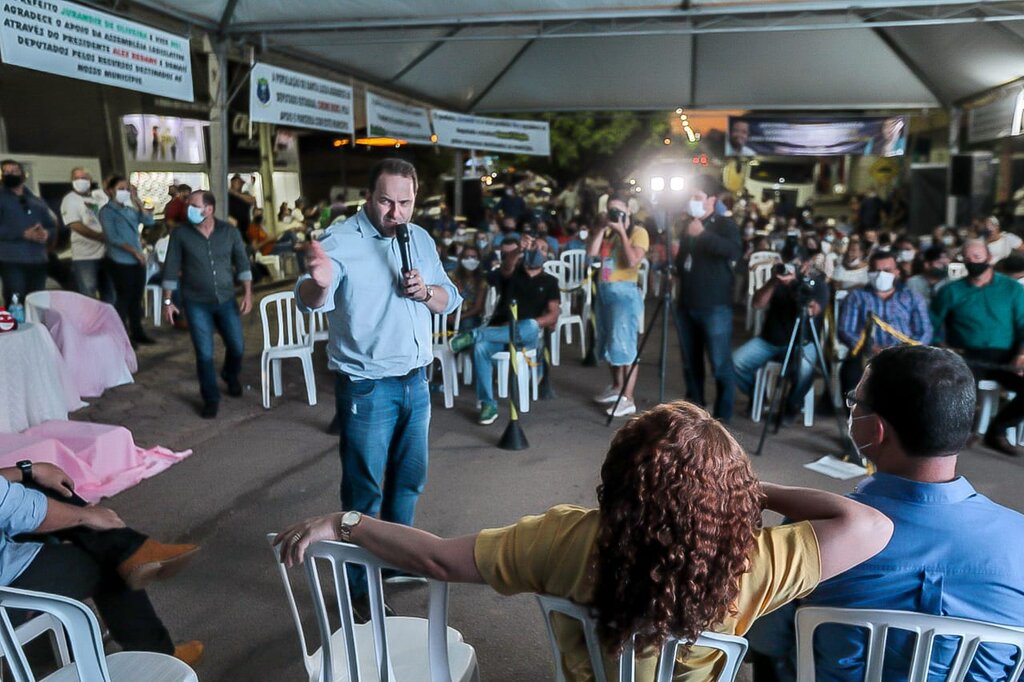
{"points": [[92, 278], [708, 330], [489, 340], [203, 318], [756, 353], [383, 446]]}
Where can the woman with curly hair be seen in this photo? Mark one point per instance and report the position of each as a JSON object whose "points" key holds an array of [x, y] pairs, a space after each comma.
{"points": [[676, 546]]}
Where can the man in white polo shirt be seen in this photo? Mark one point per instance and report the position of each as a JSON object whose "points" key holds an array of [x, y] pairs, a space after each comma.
{"points": [[80, 210]]}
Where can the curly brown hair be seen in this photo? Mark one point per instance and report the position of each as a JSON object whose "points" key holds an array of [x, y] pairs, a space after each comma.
{"points": [[679, 509]]}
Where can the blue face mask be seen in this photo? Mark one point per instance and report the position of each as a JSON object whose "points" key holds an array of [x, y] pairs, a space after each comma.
{"points": [[195, 215]]}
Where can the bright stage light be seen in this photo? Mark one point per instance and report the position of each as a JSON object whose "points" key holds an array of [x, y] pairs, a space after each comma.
{"points": [[657, 184], [676, 184]]}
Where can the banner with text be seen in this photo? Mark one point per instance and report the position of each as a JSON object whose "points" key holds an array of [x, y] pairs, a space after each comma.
{"points": [[388, 118], [878, 136], [294, 99], [503, 135], [79, 42]]}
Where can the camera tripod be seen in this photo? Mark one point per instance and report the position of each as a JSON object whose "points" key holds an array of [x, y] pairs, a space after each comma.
{"points": [[794, 354]]}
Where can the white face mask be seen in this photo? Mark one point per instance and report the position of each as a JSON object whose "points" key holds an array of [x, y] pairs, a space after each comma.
{"points": [[696, 208], [447, 241], [882, 281], [826, 247], [470, 264], [849, 431], [584, 234], [123, 197], [81, 185], [906, 256]]}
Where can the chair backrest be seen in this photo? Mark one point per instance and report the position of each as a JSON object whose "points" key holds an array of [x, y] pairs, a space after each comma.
{"points": [[762, 257], [35, 304], [317, 327], [554, 268], [490, 304], [759, 276], [957, 271], [926, 627], [339, 555], [734, 648], [576, 260], [643, 275], [78, 623], [440, 335], [560, 270], [290, 325]]}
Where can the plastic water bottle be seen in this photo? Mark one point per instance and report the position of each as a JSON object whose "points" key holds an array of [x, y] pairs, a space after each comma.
{"points": [[17, 310]]}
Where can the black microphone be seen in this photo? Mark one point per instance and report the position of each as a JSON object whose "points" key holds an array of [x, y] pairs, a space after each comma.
{"points": [[402, 233]]}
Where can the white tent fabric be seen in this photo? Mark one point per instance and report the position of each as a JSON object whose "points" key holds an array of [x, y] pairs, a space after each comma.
{"points": [[533, 55]]}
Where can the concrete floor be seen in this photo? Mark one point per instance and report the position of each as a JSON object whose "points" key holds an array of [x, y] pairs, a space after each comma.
{"points": [[256, 470]]}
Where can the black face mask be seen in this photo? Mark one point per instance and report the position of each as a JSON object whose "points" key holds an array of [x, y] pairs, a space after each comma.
{"points": [[939, 273], [976, 270], [11, 180]]}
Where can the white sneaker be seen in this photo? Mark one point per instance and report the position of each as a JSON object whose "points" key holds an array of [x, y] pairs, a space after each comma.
{"points": [[608, 395], [625, 408]]}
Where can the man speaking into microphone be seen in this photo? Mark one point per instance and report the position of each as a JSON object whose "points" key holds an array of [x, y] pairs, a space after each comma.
{"points": [[378, 310]]}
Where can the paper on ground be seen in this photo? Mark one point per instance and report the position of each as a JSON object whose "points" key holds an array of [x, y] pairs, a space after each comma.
{"points": [[830, 466]]}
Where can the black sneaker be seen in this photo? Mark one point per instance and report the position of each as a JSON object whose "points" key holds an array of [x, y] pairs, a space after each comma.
{"points": [[209, 410]]}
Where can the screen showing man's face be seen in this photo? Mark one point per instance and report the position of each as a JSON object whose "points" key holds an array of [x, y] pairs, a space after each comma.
{"points": [[739, 133]]}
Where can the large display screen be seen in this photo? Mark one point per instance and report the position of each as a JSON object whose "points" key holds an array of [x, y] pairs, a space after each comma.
{"points": [[756, 135]]}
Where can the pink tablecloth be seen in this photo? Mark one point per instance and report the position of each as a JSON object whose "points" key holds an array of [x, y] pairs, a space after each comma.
{"points": [[101, 459], [91, 338]]}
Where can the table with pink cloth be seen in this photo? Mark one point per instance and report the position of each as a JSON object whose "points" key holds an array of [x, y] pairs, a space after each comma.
{"points": [[91, 339], [101, 459], [35, 382]]}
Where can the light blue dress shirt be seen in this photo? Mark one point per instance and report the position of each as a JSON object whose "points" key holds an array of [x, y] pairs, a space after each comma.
{"points": [[21, 511], [953, 552], [375, 332], [121, 226]]}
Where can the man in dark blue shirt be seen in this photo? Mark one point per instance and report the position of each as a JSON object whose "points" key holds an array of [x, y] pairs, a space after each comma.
{"points": [[26, 228], [954, 552]]}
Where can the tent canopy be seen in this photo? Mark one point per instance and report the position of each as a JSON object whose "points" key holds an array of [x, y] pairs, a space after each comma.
{"points": [[534, 55]]}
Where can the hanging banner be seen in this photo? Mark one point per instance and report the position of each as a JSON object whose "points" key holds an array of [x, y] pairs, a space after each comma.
{"points": [[299, 101], [752, 135], [79, 42], [503, 135], [999, 118], [388, 118]]}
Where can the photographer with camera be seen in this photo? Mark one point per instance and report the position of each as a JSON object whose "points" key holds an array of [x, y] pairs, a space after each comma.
{"points": [[621, 246], [794, 284]]}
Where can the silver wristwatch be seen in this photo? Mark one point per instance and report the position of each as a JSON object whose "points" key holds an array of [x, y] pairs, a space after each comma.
{"points": [[349, 520]]}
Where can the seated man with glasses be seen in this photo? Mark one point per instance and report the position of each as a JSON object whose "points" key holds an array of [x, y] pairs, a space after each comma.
{"points": [[953, 552]]}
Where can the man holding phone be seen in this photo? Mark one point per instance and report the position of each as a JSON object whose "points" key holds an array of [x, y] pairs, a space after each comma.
{"points": [[621, 246], [781, 297]]}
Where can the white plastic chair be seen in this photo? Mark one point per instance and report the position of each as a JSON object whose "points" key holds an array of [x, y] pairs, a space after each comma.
{"points": [[272, 263], [759, 276], [734, 648], [956, 271], [642, 281], [764, 387], [83, 632], [154, 302], [441, 345], [566, 318], [289, 341], [490, 303], [527, 376], [763, 257], [839, 351], [927, 627], [397, 648], [576, 262]]}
